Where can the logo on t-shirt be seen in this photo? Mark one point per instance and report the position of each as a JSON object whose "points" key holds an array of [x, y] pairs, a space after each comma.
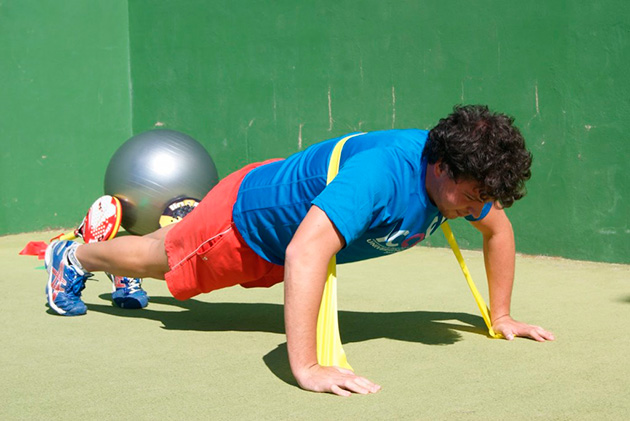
{"points": [[435, 224], [396, 240]]}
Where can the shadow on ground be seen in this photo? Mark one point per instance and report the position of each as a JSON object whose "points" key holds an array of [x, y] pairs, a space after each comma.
{"points": [[426, 327]]}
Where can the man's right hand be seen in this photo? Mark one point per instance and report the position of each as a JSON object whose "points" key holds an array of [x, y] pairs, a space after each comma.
{"points": [[339, 381], [306, 264]]}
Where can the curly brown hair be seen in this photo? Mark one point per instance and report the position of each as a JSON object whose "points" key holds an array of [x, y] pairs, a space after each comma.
{"points": [[474, 143]]}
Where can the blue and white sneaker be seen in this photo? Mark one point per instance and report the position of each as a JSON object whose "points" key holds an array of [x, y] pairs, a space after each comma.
{"points": [[65, 280], [128, 292]]}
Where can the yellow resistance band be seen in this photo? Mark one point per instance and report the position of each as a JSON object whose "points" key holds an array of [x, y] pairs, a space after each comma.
{"points": [[329, 349], [485, 313]]}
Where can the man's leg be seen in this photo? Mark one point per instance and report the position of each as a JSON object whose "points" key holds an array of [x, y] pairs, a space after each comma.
{"points": [[131, 256], [69, 265]]}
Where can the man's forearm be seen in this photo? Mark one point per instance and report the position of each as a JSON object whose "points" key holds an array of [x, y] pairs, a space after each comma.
{"points": [[306, 264], [302, 297], [499, 257]]}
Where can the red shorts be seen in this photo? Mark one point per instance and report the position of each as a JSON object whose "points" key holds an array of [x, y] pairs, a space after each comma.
{"points": [[206, 252]]}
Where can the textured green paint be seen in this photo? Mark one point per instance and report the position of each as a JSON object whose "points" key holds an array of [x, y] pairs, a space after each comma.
{"points": [[252, 80], [64, 106], [407, 321], [258, 79]]}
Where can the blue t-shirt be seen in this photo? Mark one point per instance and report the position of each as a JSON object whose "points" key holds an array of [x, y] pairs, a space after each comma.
{"points": [[377, 201]]}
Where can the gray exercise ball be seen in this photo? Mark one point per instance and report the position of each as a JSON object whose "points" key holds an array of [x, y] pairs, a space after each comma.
{"points": [[151, 170]]}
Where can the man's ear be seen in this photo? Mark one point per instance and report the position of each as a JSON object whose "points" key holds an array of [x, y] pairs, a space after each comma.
{"points": [[439, 168]]}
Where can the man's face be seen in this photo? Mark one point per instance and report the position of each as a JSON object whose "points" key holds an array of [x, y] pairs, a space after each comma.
{"points": [[456, 199]]}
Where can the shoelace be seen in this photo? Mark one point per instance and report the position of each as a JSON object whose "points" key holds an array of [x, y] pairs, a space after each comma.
{"points": [[133, 284], [78, 285]]}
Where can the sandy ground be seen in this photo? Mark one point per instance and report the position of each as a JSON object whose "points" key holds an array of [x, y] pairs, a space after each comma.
{"points": [[407, 321]]}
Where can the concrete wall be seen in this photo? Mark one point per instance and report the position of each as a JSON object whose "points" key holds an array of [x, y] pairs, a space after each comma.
{"points": [[64, 107], [258, 79]]}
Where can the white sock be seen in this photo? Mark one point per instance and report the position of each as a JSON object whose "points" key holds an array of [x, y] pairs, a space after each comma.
{"points": [[72, 260]]}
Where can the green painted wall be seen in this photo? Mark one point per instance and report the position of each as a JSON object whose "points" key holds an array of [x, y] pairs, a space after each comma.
{"points": [[255, 79], [64, 104]]}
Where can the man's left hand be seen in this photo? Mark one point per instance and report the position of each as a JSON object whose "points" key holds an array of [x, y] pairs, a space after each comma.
{"points": [[511, 328]]}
